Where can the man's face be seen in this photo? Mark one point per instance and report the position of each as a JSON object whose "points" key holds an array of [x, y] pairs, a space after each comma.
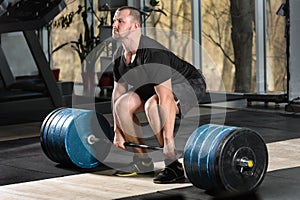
{"points": [[123, 25]]}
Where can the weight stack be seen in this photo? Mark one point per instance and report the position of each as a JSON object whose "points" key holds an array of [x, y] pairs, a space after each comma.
{"points": [[213, 154], [64, 134]]}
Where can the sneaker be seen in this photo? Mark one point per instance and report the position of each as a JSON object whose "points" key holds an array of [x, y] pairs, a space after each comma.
{"points": [[171, 174], [137, 166]]}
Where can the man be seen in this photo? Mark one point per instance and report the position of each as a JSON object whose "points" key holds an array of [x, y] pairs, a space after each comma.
{"points": [[161, 85]]}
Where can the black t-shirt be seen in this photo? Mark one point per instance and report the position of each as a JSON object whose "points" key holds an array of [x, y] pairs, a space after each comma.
{"points": [[152, 65]]}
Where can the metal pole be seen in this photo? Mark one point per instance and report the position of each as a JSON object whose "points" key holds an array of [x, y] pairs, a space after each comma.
{"points": [[196, 34], [260, 25]]}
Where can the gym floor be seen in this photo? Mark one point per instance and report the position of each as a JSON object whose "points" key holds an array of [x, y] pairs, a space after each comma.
{"points": [[26, 173]]}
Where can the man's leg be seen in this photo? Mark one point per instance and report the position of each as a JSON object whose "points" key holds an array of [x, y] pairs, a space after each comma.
{"points": [[154, 118], [173, 171], [126, 108], [157, 119]]}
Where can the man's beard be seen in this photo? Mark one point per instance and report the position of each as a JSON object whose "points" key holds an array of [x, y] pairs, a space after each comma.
{"points": [[121, 36]]}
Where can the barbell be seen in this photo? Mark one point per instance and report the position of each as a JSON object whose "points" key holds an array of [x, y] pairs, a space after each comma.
{"points": [[215, 157]]}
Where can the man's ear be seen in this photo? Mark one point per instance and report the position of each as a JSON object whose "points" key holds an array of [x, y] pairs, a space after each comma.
{"points": [[137, 25]]}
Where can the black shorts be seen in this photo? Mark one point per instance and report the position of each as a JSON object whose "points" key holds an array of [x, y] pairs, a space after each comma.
{"points": [[189, 94]]}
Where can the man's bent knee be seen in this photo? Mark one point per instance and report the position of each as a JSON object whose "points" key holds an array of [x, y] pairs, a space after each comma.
{"points": [[150, 104], [129, 103]]}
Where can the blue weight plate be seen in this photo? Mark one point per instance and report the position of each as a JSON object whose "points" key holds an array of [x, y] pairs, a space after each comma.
{"points": [[44, 129], [200, 155], [76, 133], [208, 155], [218, 134], [45, 123], [44, 135], [58, 136], [191, 153], [55, 144], [191, 161]]}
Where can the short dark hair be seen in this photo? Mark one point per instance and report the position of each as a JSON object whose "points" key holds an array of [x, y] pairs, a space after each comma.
{"points": [[134, 12]]}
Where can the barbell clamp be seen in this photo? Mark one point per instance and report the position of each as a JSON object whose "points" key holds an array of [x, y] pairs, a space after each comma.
{"points": [[92, 139], [246, 166]]}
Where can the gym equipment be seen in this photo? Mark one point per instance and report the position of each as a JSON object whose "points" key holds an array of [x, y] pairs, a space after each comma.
{"points": [[225, 158], [68, 136], [216, 157], [28, 16]]}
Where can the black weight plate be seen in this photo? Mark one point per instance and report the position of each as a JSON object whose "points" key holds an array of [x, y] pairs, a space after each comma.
{"points": [[241, 143]]}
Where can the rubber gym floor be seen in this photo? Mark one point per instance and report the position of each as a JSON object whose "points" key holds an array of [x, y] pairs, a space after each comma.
{"points": [[26, 173]]}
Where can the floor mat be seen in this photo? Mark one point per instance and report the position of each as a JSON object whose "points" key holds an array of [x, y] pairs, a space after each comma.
{"points": [[23, 160]]}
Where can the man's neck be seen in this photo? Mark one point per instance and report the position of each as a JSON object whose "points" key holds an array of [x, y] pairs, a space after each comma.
{"points": [[131, 45]]}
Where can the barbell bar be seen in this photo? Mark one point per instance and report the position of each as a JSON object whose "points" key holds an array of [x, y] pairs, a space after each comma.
{"points": [[143, 146], [215, 157]]}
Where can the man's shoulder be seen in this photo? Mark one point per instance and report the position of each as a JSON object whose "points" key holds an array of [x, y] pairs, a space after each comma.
{"points": [[150, 43]]}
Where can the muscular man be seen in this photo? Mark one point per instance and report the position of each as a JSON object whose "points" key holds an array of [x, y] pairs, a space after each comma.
{"points": [[149, 78]]}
